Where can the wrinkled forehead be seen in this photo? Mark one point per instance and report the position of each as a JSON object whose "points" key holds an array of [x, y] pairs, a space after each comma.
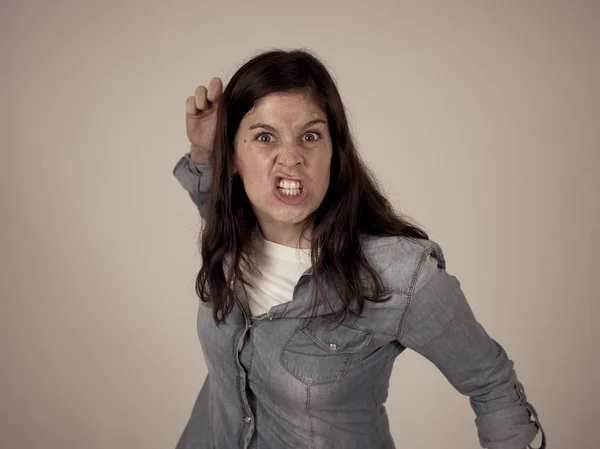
{"points": [[286, 109]]}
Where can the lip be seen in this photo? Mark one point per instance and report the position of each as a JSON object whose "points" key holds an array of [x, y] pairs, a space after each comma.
{"points": [[289, 178], [291, 199]]}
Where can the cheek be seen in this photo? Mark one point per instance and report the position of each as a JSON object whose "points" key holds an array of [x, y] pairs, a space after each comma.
{"points": [[324, 172], [255, 173]]}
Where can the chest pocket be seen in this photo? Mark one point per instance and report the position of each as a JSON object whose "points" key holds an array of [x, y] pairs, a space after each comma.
{"points": [[320, 352]]}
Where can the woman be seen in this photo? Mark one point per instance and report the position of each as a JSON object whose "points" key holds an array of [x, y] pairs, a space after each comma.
{"points": [[311, 284]]}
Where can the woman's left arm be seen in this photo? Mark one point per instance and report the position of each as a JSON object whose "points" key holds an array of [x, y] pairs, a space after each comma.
{"points": [[439, 324]]}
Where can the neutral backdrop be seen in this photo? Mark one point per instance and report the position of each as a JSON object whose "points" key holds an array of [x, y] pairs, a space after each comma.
{"points": [[480, 119]]}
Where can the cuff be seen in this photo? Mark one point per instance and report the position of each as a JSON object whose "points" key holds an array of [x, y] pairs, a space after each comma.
{"points": [[192, 176], [512, 427]]}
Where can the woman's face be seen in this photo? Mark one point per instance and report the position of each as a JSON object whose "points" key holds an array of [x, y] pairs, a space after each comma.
{"points": [[283, 156]]}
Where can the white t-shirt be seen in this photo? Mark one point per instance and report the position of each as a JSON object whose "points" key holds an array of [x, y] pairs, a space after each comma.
{"points": [[280, 269]]}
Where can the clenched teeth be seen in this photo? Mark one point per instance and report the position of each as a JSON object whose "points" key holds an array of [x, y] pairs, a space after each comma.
{"points": [[290, 191], [289, 187], [285, 184]]}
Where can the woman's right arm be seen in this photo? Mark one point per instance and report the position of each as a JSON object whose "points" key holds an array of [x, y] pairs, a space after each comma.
{"points": [[195, 178], [194, 170]]}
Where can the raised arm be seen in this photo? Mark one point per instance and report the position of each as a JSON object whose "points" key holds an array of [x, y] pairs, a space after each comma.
{"points": [[194, 170], [195, 178]]}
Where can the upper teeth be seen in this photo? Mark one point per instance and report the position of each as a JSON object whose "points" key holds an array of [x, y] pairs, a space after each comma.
{"points": [[284, 184]]}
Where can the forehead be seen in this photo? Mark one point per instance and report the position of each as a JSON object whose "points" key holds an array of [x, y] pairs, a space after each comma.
{"points": [[286, 108]]}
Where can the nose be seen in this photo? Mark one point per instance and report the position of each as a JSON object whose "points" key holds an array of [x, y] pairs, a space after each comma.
{"points": [[289, 156]]}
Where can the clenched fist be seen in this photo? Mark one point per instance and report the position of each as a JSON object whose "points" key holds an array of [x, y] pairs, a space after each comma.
{"points": [[201, 118]]}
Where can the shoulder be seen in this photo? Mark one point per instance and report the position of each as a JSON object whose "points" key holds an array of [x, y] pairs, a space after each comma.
{"points": [[399, 260]]}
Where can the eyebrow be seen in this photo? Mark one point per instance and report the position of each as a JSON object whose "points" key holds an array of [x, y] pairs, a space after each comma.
{"points": [[270, 128]]}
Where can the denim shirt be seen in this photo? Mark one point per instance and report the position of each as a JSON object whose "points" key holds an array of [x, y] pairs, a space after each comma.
{"points": [[280, 380]]}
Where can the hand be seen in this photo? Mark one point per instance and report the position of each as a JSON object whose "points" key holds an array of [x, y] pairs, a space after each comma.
{"points": [[201, 118]]}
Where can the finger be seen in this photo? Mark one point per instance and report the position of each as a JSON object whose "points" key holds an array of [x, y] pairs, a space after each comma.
{"points": [[215, 90], [190, 106], [201, 100]]}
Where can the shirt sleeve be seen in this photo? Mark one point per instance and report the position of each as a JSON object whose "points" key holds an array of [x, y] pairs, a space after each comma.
{"points": [[195, 179], [439, 324]]}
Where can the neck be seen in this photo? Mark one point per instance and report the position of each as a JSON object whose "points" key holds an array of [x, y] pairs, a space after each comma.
{"points": [[285, 235]]}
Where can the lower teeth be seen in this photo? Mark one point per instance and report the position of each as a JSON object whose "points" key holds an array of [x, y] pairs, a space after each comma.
{"points": [[289, 192]]}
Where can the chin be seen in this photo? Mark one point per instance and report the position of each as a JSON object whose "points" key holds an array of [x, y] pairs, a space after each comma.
{"points": [[276, 212], [289, 219], [289, 216]]}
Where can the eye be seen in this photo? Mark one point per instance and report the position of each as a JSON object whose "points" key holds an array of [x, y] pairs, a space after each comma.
{"points": [[311, 136], [264, 138]]}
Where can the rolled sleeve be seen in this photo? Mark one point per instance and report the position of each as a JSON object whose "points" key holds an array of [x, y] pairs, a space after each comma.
{"points": [[195, 179], [439, 324]]}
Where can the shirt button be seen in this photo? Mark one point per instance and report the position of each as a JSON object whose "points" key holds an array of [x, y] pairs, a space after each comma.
{"points": [[332, 346], [248, 420]]}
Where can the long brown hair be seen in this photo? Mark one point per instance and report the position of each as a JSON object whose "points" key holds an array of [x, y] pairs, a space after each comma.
{"points": [[353, 204]]}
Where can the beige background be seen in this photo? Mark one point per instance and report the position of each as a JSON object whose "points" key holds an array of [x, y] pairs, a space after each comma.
{"points": [[480, 119]]}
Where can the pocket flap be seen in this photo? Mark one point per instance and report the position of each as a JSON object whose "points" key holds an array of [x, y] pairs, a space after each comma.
{"points": [[335, 338]]}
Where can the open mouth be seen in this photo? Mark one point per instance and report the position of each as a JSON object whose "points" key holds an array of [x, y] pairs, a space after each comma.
{"points": [[289, 187]]}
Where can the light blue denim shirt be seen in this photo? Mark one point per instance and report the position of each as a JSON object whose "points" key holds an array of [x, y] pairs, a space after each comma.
{"points": [[278, 380]]}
